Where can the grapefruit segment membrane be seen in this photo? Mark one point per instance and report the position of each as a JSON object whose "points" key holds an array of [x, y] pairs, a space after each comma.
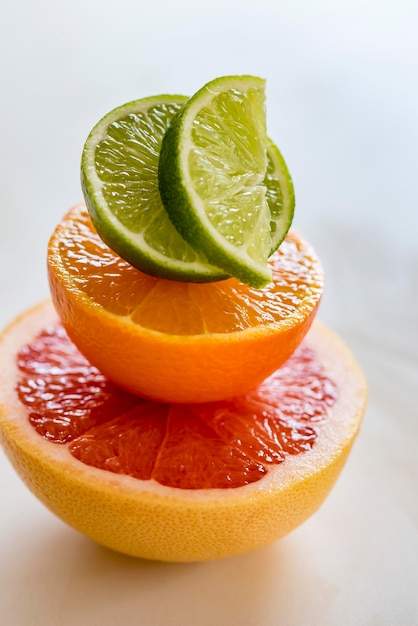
{"points": [[128, 479]]}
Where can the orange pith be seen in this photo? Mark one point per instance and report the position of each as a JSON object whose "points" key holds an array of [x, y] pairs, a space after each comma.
{"points": [[173, 341], [225, 444]]}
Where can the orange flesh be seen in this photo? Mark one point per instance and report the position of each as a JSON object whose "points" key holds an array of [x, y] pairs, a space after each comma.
{"points": [[214, 445], [179, 308]]}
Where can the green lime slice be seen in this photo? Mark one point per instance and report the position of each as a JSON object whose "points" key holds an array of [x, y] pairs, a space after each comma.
{"points": [[213, 173], [280, 195], [119, 177]]}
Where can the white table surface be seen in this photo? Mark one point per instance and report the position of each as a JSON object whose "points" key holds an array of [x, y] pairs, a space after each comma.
{"points": [[342, 105]]}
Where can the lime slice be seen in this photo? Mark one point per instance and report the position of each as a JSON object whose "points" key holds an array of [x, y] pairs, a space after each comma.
{"points": [[280, 195], [119, 176], [212, 170]]}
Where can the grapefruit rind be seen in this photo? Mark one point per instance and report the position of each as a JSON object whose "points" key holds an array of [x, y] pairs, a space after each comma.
{"points": [[146, 519]]}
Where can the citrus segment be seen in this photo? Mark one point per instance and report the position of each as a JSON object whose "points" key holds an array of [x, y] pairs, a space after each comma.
{"points": [[66, 395], [119, 176], [175, 341], [286, 465], [212, 170]]}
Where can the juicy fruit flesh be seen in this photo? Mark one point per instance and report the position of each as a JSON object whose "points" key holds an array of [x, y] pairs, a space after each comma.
{"points": [[126, 163], [185, 308], [218, 445], [228, 165], [119, 174]]}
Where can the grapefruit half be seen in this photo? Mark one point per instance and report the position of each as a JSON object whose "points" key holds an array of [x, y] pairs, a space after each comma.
{"points": [[175, 482]]}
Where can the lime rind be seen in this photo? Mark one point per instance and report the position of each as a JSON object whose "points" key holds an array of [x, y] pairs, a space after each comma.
{"points": [[201, 220], [119, 178]]}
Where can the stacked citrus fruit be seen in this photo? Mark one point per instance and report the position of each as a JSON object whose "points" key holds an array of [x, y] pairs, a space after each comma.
{"points": [[172, 404]]}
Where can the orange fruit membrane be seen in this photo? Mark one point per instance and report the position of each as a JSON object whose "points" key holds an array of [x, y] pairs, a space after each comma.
{"points": [[176, 341], [179, 482]]}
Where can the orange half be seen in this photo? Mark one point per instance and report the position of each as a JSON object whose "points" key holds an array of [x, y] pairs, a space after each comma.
{"points": [[175, 341]]}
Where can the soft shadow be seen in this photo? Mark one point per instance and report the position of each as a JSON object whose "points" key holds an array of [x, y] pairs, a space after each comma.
{"points": [[66, 579]]}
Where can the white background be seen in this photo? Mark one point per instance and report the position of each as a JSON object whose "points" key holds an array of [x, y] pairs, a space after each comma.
{"points": [[342, 89]]}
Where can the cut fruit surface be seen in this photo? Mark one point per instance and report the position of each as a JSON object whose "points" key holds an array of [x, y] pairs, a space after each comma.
{"points": [[175, 341], [119, 175], [175, 482], [212, 174], [280, 195]]}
